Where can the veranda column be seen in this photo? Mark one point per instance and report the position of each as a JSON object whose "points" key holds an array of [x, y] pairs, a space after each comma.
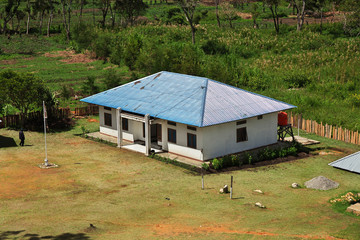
{"points": [[118, 125], [147, 135]]}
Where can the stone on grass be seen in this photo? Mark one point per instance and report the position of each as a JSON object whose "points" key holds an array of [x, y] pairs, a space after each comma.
{"points": [[321, 183], [224, 189], [355, 208], [258, 191], [295, 185], [258, 204]]}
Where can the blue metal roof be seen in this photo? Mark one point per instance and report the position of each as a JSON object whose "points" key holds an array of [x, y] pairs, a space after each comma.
{"points": [[349, 163], [187, 99]]}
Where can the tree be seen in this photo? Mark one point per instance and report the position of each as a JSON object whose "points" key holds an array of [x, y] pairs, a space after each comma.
{"points": [[229, 12], [104, 6], [9, 12], [188, 7], [217, 2], [318, 6], [41, 6], [89, 87], [300, 16], [66, 7], [273, 5], [352, 17], [130, 9], [254, 10], [23, 91]]}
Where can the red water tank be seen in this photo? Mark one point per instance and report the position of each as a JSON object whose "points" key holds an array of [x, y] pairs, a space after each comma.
{"points": [[282, 119]]}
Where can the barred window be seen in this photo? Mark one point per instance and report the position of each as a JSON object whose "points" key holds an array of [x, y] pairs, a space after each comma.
{"points": [[107, 118]]}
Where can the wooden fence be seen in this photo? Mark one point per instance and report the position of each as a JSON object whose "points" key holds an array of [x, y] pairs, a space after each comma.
{"points": [[88, 110], [324, 130], [35, 118]]}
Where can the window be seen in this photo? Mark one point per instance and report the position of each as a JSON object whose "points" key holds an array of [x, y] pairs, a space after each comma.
{"points": [[171, 135], [191, 128], [125, 124], [107, 118], [260, 117], [241, 122], [107, 108], [143, 129], [241, 135], [191, 140], [172, 123]]}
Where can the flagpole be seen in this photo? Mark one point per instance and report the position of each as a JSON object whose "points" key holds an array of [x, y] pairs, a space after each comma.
{"points": [[44, 109]]}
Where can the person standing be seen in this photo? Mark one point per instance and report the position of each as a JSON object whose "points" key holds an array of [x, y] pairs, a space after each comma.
{"points": [[22, 137]]}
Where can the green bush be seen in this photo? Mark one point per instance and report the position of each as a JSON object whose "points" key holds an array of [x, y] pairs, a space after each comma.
{"points": [[132, 50], [214, 47], [112, 78], [217, 163], [205, 166], [102, 46], [227, 161]]}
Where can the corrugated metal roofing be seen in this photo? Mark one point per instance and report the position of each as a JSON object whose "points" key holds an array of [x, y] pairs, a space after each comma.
{"points": [[187, 99], [349, 163]]}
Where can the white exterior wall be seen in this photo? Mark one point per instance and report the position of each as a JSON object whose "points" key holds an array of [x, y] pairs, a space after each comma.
{"points": [[109, 130], [213, 141], [180, 147], [135, 128], [220, 140]]}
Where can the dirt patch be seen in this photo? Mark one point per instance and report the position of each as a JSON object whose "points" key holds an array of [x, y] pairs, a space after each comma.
{"points": [[92, 120], [69, 56], [20, 180], [8, 62], [328, 18], [244, 15], [174, 230]]}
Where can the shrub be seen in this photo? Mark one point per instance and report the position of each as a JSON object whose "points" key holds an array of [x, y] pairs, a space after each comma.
{"points": [[205, 166], [82, 36], [112, 79], [248, 158], [217, 163], [88, 87], [65, 92], [132, 50], [102, 46], [214, 47], [227, 161]]}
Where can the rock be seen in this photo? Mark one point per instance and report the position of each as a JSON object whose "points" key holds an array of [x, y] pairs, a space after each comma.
{"points": [[258, 191], [321, 183], [355, 208], [258, 204], [224, 189], [295, 185]]}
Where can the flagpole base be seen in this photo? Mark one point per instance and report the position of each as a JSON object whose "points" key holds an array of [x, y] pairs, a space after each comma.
{"points": [[46, 165]]}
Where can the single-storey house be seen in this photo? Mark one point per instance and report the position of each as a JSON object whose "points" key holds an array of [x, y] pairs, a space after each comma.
{"points": [[191, 116]]}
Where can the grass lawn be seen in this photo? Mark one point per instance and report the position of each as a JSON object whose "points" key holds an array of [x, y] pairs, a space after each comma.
{"points": [[123, 194]]}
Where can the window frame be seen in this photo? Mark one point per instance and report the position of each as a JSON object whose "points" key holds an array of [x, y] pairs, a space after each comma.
{"points": [[171, 123], [171, 135], [240, 137], [241, 122], [191, 140], [125, 124], [107, 118]]}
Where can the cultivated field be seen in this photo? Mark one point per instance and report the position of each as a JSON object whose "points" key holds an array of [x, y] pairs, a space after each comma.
{"points": [[123, 194]]}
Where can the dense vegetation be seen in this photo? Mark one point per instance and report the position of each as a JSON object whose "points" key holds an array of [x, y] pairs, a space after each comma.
{"points": [[316, 69]]}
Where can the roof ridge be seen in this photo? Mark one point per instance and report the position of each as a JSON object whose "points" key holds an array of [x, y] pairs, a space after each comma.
{"points": [[203, 103], [252, 92]]}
